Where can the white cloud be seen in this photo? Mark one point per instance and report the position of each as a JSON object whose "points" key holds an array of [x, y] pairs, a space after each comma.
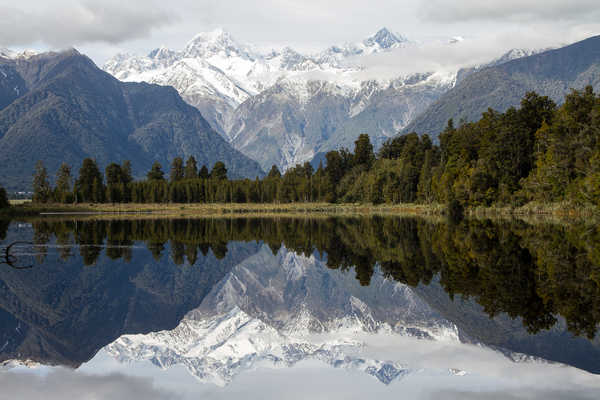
{"points": [[62, 384], [65, 23], [103, 28], [520, 10]]}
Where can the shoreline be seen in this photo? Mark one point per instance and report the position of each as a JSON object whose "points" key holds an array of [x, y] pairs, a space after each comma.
{"points": [[531, 210]]}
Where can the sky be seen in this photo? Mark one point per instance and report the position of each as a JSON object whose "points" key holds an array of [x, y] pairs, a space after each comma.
{"points": [[101, 29]]}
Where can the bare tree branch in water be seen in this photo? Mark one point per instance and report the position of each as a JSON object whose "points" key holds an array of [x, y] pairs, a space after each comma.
{"points": [[11, 260]]}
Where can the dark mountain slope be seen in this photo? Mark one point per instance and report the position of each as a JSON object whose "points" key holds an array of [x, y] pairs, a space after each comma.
{"points": [[552, 73], [67, 109]]}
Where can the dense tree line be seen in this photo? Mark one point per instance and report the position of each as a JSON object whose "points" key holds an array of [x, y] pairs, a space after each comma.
{"points": [[3, 199], [527, 271], [184, 184], [538, 152]]}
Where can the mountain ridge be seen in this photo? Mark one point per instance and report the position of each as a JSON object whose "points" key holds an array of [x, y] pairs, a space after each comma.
{"points": [[550, 73], [265, 103], [66, 109]]}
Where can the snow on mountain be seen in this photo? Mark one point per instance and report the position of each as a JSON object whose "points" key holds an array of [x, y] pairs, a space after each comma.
{"points": [[383, 40], [10, 364], [250, 69], [514, 54], [510, 55], [216, 73], [279, 310], [293, 120], [14, 55], [6, 53], [282, 107]]}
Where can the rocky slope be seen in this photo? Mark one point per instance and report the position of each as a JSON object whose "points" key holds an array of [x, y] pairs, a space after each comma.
{"points": [[60, 107], [551, 73], [282, 107]]}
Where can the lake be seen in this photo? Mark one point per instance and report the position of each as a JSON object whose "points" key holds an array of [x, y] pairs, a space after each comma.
{"points": [[321, 307]]}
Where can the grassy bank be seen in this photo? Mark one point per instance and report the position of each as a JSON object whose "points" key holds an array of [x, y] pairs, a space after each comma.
{"points": [[222, 209], [562, 210]]}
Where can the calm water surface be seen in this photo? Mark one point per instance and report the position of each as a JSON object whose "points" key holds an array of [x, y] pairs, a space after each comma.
{"points": [[298, 308]]}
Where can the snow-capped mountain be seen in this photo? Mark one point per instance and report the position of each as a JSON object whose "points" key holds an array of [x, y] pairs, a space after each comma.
{"points": [[276, 311], [282, 107], [293, 120], [512, 54], [14, 55], [225, 80], [216, 73], [383, 40]]}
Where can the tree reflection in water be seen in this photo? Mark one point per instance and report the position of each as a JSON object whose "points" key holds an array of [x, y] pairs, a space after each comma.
{"points": [[533, 272]]}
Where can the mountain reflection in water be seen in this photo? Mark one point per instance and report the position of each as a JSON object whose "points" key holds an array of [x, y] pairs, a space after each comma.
{"points": [[221, 295]]}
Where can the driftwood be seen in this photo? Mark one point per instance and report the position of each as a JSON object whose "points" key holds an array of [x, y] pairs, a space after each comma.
{"points": [[11, 260]]}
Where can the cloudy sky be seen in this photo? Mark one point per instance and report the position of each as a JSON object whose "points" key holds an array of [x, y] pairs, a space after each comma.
{"points": [[490, 376], [101, 28]]}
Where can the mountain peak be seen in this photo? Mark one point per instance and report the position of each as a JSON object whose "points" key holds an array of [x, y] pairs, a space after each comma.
{"points": [[161, 52], [218, 35], [385, 38], [6, 53], [206, 44], [10, 54]]}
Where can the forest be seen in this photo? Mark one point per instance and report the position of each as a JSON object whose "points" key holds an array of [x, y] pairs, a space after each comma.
{"points": [[539, 152]]}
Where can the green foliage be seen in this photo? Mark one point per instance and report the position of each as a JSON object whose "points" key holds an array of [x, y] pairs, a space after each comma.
{"points": [[568, 150], [219, 171], [537, 152], [62, 192], [363, 151], [191, 168], [156, 173], [126, 176], [203, 173], [177, 171], [89, 186], [3, 199], [274, 172], [42, 192], [530, 272], [455, 211]]}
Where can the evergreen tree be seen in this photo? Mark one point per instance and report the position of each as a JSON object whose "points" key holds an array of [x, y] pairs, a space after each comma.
{"points": [[335, 166], [62, 193], [191, 168], [274, 172], [156, 173], [114, 181], [41, 185], [97, 190], [219, 171], [126, 175], [126, 180], [4, 203], [89, 184], [177, 171], [363, 151], [203, 173], [424, 188], [114, 175]]}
